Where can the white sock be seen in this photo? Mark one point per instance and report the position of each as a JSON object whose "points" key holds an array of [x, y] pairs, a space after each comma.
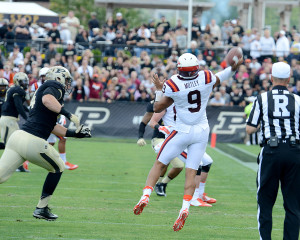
{"points": [[185, 204], [147, 191], [196, 194], [201, 188], [63, 156]]}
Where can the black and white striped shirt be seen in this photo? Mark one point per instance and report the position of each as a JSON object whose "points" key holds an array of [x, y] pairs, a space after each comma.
{"points": [[278, 113]]}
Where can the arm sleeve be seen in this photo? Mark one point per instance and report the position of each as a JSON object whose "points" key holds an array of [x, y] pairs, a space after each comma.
{"points": [[19, 106], [142, 129], [57, 93], [255, 115]]}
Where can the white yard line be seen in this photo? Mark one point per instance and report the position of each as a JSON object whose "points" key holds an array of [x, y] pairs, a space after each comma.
{"points": [[243, 150], [251, 165]]}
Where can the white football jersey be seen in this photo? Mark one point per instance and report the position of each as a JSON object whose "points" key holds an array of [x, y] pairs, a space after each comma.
{"points": [[169, 118], [190, 99]]}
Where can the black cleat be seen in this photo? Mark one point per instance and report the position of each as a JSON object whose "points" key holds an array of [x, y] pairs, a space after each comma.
{"points": [[160, 189], [21, 169], [44, 213]]}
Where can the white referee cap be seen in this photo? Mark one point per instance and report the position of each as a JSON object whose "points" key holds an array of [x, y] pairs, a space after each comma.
{"points": [[281, 70]]}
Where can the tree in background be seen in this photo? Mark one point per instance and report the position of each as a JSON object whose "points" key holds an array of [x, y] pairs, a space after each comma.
{"points": [[83, 9]]}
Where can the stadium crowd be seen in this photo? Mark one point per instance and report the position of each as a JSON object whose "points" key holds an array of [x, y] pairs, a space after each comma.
{"points": [[129, 56]]}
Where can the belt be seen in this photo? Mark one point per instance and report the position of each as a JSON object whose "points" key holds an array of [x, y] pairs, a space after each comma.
{"points": [[280, 140]]}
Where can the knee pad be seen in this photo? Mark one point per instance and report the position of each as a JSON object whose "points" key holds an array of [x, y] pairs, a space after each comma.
{"points": [[177, 163], [206, 168]]}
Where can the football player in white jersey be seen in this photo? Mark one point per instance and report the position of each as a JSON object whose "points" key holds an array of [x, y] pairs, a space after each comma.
{"points": [[200, 199], [189, 90]]}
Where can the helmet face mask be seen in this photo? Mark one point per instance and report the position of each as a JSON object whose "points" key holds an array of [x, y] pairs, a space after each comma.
{"points": [[188, 66], [61, 75], [21, 79], [3, 86]]}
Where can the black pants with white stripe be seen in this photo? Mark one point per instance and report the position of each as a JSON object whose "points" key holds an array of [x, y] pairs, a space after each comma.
{"points": [[279, 164]]}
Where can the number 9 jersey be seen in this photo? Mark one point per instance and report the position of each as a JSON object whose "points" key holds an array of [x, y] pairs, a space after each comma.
{"points": [[190, 98]]}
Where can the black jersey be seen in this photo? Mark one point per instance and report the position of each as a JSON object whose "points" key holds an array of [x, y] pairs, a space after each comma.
{"points": [[156, 133], [1, 103], [41, 120], [9, 107]]}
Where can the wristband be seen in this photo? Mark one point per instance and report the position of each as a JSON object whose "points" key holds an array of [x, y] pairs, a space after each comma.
{"points": [[64, 112], [158, 96], [156, 126], [70, 133]]}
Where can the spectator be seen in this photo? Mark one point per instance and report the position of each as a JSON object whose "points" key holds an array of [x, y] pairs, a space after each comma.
{"points": [[246, 43], [236, 97], [226, 31], [65, 34], [163, 23], [143, 97], [217, 100], [196, 28], [110, 94], [93, 23], [22, 34], [120, 21], [193, 48], [50, 52], [78, 93], [255, 47], [147, 64], [3, 28], [16, 56], [237, 27], [151, 25], [181, 38], [141, 42], [82, 37], [295, 48], [110, 34], [282, 45], [73, 24], [143, 30], [10, 38], [267, 45], [225, 96], [96, 88], [215, 30], [53, 34], [85, 68], [110, 23], [123, 96], [255, 64], [69, 52]]}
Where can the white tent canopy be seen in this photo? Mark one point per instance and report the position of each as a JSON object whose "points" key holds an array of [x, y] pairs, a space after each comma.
{"points": [[25, 9]]}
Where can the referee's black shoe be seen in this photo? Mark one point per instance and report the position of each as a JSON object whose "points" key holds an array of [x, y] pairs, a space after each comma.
{"points": [[44, 213]]}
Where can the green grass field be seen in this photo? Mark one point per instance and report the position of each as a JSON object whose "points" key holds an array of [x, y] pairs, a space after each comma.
{"points": [[96, 200]]}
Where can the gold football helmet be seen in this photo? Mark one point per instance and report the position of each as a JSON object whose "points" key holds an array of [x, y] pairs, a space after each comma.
{"points": [[61, 75], [21, 79]]}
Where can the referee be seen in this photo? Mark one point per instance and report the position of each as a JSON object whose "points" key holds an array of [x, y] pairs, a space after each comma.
{"points": [[277, 112]]}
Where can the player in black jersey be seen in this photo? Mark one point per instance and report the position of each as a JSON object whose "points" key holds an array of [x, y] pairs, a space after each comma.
{"points": [[13, 106], [157, 138], [3, 88], [31, 142]]}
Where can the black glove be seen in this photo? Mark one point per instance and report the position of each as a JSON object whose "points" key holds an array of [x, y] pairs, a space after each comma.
{"points": [[81, 132]]}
